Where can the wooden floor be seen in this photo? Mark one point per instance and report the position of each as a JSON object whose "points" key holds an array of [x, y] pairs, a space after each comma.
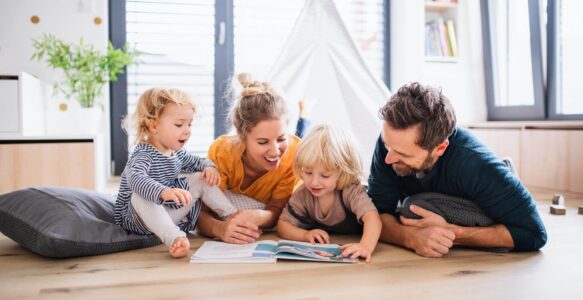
{"points": [[554, 272]]}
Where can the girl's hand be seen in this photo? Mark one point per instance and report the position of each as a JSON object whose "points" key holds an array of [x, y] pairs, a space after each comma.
{"points": [[179, 196], [211, 176], [237, 229], [355, 250], [317, 236]]}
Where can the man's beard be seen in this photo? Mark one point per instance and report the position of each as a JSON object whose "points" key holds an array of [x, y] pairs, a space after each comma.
{"points": [[408, 170]]}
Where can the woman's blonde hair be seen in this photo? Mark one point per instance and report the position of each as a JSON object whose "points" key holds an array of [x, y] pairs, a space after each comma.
{"points": [[150, 107], [257, 102], [335, 149]]}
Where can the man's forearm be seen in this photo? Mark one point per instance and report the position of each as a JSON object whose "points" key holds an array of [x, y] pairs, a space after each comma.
{"points": [[491, 236], [393, 231]]}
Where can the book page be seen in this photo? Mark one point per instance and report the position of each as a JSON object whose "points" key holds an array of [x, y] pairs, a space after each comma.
{"points": [[213, 249], [306, 251]]}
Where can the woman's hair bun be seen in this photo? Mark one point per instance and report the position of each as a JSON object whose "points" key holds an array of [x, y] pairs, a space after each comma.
{"points": [[252, 87]]}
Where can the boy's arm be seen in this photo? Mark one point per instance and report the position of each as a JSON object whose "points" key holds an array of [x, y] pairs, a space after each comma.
{"points": [[289, 231], [372, 230]]}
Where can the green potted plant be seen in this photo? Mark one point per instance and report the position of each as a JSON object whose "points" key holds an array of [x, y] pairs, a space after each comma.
{"points": [[86, 70]]}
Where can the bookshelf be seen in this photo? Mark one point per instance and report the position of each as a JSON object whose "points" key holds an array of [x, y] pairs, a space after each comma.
{"points": [[441, 38]]}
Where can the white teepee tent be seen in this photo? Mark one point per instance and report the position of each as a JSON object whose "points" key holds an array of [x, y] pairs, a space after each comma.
{"points": [[321, 63]]}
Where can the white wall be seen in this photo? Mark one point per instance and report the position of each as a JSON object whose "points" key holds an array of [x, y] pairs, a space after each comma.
{"points": [[462, 81], [69, 20]]}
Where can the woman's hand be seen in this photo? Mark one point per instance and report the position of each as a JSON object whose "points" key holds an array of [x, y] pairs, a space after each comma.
{"points": [[211, 176], [356, 250], [317, 236], [238, 229]]}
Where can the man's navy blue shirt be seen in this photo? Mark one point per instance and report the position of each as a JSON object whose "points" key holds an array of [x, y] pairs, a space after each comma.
{"points": [[467, 169]]}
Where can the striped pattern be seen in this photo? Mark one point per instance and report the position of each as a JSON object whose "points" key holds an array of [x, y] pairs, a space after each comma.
{"points": [[147, 173]]}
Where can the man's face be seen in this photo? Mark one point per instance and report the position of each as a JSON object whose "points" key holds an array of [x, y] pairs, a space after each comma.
{"points": [[404, 155]]}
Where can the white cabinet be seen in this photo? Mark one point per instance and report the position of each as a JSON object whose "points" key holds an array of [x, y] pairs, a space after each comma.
{"points": [[9, 108], [22, 105]]}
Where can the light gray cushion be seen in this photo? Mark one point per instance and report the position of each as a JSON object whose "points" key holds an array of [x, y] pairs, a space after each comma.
{"points": [[64, 222]]}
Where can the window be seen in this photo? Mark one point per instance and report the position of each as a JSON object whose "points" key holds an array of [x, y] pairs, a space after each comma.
{"points": [[565, 61], [197, 45], [176, 41], [513, 59]]}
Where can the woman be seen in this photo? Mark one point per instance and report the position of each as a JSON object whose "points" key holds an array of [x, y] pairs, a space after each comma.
{"points": [[256, 162]]}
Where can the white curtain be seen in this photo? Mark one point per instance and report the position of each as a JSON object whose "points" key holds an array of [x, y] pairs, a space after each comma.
{"points": [[322, 64]]}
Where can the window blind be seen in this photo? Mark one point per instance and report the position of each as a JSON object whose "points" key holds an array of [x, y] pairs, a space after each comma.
{"points": [[176, 41]]}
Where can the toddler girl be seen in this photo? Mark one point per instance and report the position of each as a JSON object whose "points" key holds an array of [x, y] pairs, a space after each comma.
{"points": [[152, 197]]}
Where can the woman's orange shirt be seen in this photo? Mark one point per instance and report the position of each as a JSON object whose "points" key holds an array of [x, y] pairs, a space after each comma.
{"points": [[226, 152]]}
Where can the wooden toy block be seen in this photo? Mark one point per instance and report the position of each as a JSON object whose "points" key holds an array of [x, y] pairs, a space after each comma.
{"points": [[558, 199], [558, 210]]}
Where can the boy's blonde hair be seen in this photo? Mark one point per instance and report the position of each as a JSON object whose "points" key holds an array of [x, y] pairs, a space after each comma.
{"points": [[257, 102], [150, 107], [335, 149]]}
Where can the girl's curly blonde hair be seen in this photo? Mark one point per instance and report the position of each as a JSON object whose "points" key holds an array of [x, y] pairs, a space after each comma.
{"points": [[150, 107]]}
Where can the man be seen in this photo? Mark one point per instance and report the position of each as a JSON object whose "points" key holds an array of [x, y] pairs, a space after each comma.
{"points": [[421, 150]]}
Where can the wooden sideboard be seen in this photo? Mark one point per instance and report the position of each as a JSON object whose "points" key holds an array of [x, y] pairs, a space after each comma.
{"points": [[30, 162], [547, 154]]}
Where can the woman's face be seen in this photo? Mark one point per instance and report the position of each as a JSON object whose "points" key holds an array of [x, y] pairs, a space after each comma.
{"points": [[265, 144]]}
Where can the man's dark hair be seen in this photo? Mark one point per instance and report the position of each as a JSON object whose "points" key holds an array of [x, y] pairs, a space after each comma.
{"points": [[415, 104]]}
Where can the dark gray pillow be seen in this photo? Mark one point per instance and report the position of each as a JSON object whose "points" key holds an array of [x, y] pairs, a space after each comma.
{"points": [[64, 222], [454, 210]]}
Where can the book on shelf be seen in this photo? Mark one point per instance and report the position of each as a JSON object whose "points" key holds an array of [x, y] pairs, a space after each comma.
{"points": [[440, 39], [451, 37], [267, 251]]}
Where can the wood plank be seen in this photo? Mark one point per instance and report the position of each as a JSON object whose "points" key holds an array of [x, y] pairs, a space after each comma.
{"points": [[575, 159], [554, 272], [544, 158]]}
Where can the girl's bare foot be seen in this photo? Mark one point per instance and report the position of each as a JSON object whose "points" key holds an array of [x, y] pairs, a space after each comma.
{"points": [[180, 247]]}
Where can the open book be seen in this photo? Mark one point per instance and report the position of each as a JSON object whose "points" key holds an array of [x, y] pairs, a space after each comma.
{"points": [[267, 251]]}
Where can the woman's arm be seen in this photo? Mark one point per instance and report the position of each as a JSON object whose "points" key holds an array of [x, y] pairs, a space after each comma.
{"points": [[236, 229], [267, 218]]}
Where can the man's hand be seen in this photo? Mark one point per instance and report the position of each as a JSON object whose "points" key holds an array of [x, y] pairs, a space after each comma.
{"points": [[211, 176], [433, 236], [432, 241], [428, 218]]}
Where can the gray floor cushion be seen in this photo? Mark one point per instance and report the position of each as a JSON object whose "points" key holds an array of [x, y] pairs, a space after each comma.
{"points": [[454, 210], [64, 222]]}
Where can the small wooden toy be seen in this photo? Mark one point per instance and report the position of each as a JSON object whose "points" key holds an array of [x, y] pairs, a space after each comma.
{"points": [[558, 199], [558, 210]]}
